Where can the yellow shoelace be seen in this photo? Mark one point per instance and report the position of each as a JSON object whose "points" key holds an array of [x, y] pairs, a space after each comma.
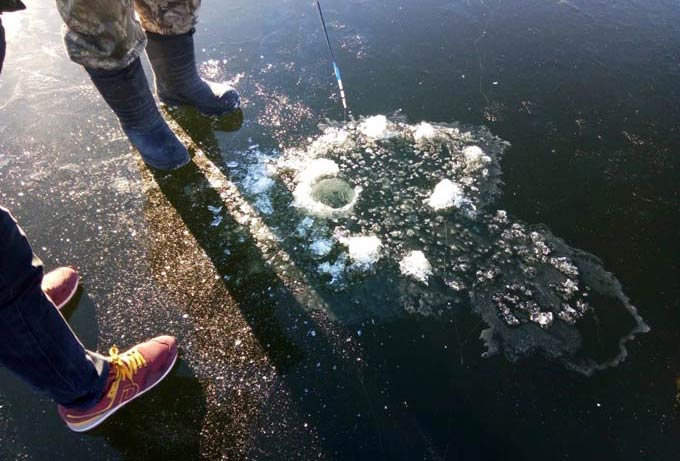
{"points": [[128, 364]]}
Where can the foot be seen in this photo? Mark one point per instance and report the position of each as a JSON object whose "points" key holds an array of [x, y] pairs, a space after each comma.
{"points": [[60, 285], [131, 374], [177, 81]]}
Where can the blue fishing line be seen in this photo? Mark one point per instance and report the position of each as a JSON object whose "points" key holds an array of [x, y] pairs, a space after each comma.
{"points": [[336, 69]]}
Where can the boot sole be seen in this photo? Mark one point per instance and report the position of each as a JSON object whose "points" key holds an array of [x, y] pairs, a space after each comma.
{"points": [[104, 416], [168, 166], [172, 103]]}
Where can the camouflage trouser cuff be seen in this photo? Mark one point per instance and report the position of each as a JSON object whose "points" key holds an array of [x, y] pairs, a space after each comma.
{"points": [[98, 61], [173, 29]]}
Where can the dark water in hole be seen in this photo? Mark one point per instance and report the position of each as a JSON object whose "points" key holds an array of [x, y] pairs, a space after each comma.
{"points": [[586, 93]]}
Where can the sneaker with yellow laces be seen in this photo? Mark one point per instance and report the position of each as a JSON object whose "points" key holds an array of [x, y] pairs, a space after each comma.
{"points": [[131, 374]]}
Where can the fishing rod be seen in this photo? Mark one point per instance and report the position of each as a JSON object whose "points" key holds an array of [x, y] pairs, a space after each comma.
{"points": [[336, 69]]}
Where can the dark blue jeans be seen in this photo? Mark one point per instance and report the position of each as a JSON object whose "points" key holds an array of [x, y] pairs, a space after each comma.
{"points": [[36, 343]]}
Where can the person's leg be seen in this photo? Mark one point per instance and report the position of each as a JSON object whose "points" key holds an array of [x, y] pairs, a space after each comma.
{"points": [[2, 44], [36, 343], [168, 17], [170, 48], [105, 37]]}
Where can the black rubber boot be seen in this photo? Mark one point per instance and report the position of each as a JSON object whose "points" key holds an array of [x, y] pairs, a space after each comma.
{"points": [[127, 92], [177, 80]]}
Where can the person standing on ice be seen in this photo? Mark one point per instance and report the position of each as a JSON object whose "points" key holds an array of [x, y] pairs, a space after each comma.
{"points": [[105, 37], [37, 345]]}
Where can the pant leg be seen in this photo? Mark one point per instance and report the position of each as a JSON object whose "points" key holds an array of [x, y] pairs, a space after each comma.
{"points": [[36, 343], [101, 34], [168, 17]]}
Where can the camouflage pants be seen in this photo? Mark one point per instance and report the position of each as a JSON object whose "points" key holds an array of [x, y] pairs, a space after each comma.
{"points": [[105, 34]]}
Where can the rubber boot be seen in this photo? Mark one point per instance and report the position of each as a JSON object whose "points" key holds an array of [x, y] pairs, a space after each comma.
{"points": [[127, 92], [177, 80]]}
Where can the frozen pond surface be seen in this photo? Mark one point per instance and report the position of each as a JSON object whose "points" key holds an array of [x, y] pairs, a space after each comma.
{"points": [[474, 286]]}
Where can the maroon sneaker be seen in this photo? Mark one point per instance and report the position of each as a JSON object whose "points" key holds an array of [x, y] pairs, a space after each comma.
{"points": [[60, 285], [131, 374]]}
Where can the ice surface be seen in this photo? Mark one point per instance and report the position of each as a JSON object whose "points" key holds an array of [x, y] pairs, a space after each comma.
{"points": [[416, 265], [534, 293]]}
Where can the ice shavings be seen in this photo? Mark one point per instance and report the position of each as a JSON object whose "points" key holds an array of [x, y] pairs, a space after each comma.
{"points": [[376, 127], [335, 270], [475, 157], [424, 130], [446, 194], [535, 293], [416, 265], [321, 247], [258, 180], [217, 218], [304, 227], [364, 250]]}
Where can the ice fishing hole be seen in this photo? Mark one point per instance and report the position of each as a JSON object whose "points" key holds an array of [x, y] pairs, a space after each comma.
{"points": [[333, 192]]}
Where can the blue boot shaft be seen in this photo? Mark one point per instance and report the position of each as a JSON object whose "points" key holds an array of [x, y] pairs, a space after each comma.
{"points": [[177, 81], [127, 92]]}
